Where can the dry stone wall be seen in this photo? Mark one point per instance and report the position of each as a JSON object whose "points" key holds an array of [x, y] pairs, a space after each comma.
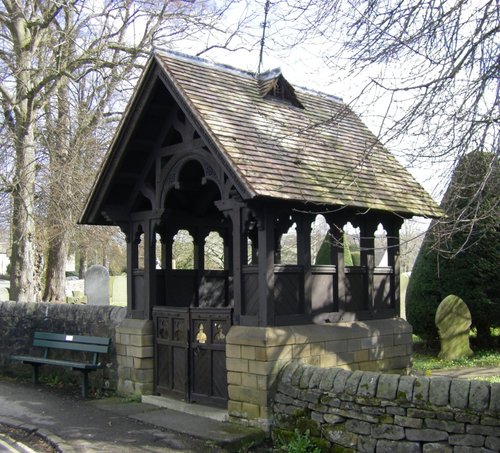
{"points": [[374, 412]]}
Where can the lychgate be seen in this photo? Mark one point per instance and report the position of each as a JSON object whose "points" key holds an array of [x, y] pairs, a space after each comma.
{"points": [[209, 151]]}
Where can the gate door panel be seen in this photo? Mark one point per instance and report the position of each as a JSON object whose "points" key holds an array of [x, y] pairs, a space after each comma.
{"points": [[171, 351], [190, 353], [209, 327]]}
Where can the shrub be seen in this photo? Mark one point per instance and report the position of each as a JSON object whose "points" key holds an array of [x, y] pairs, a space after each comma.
{"points": [[464, 261]]}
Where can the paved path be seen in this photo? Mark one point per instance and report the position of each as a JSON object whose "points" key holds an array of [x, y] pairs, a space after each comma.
{"points": [[108, 425]]}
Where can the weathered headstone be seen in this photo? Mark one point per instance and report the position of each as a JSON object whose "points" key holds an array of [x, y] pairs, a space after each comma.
{"points": [[453, 321], [118, 290], [97, 285], [4, 294]]}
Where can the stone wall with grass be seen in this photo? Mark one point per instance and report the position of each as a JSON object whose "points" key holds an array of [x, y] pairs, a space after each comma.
{"points": [[18, 322], [371, 412]]}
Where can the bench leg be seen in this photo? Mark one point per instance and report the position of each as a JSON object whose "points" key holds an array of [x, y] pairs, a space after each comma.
{"points": [[35, 374], [85, 383]]}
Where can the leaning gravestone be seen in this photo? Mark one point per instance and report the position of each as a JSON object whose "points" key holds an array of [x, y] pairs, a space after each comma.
{"points": [[97, 285], [453, 321]]}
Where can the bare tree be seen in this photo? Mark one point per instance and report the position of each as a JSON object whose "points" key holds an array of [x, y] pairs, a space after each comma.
{"points": [[434, 64], [61, 64]]}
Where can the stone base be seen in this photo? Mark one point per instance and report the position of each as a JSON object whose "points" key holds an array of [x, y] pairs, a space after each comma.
{"points": [[134, 348], [255, 356]]}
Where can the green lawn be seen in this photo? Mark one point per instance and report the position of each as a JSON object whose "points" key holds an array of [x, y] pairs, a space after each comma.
{"points": [[424, 361]]}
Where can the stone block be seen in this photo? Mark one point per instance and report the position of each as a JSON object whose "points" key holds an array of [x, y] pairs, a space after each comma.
{"points": [[405, 388], [390, 446], [445, 425], [352, 383], [361, 356], [316, 378], [124, 373], [439, 391], [333, 419], [358, 427], [233, 351], [387, 386], [306, 377], [141, 363], [249, 380], [340, 381], [495, 397], [384, 431], [237, 365], [468, 440], [263, 368], [466, 418], [354, 344], [248, 352], [484, 430], [141, 340], [420, 413], [122, 338], [123, 360], [250, 410], [368, 384], [136, 351], [421, 390], [234, 408], [479, 395], [125, 387], [434, 447], [135, 326], [248, 395], [341, 437], [144, 388], [493, 442], [366, 444], [274, 353], [408, 422], [336, 346], [301, 351], [288, 372], [234, 378], [328, 360], [459, 393], [142, 375], [426, 435]]}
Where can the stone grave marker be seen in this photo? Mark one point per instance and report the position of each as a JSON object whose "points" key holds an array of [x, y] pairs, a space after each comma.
{"points": [[118, 290], [4, 294], [453, 320], [97, 285]]}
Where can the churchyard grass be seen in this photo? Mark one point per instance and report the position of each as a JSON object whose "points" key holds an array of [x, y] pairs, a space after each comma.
{"points": [[426, 360]]}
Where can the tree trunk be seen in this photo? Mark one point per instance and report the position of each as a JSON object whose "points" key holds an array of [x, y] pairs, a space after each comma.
{"points": [[55, 290], [60, 201], [22, 259]]}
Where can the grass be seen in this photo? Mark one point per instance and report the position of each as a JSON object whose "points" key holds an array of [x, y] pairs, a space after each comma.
{"points": [[426, 360]]}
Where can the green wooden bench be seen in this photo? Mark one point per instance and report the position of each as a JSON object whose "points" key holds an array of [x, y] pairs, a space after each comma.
{"points": [[89, 347]]}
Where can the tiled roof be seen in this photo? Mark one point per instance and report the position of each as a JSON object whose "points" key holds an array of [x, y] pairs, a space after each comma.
{"points": [[321, 153]]}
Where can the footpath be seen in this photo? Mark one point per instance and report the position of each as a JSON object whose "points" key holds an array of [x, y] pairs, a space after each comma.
{"points": [[112, 424]]}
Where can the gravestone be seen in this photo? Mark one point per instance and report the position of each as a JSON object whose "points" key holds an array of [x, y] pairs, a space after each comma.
{"points": [[118, 290], [4, 294], [453, 321], [97, 285]]}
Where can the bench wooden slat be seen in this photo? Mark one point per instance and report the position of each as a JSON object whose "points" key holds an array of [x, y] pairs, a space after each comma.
{"points": [[72, 338], [72, 346], [57, 362]]}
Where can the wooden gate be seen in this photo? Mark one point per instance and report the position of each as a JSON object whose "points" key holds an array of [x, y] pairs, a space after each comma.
{"points": [[190, 353]]}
